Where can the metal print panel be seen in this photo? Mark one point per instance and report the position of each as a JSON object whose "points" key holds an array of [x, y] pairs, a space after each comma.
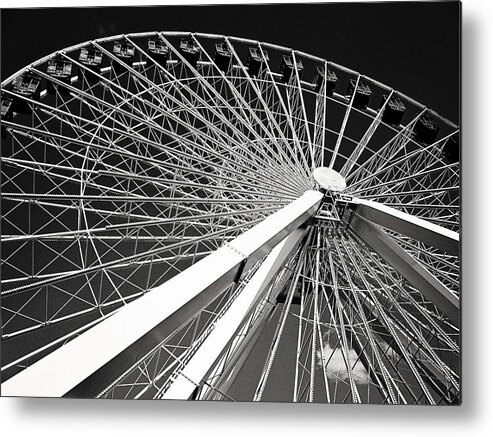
{"points": [[198, 206]]}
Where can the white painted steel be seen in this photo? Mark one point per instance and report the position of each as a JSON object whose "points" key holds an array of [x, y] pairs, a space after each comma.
{"points": [[414, 272], [409, 225], [195, 370]]}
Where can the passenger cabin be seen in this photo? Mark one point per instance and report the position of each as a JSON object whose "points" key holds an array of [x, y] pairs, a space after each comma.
{"points": [[92, 60], [27, 86], [223, 57], [124, 52], [61, 70], [157, 51], [451, 150], [426, 130], [256, 60], [330, 79], [394, 110], [287, 68], [362, 96], [190, 50]]}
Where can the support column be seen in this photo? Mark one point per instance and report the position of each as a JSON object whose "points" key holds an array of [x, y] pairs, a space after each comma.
{"points": [[409, 225], [198, 366], [408, 267]]}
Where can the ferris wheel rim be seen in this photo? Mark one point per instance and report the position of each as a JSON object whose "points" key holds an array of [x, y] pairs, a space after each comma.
{"points": [[77, 46]]}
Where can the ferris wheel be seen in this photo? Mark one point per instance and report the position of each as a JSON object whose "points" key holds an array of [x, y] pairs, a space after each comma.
{"points": [[194, 216]]}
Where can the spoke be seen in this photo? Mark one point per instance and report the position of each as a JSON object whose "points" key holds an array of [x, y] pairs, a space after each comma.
{"points": [[343, 125]]}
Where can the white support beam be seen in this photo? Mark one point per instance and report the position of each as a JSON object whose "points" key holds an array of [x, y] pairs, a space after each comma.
{"points": [[90, 362], [413, 271], [409, 225], [240, 353], [203, 359], [237, 357]]}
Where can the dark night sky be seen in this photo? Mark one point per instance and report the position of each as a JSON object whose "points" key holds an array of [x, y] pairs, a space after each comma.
{"points": [[412, 47]]}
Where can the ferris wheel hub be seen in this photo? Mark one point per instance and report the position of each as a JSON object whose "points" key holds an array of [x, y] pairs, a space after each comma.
{"points": [[329, 179]]}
